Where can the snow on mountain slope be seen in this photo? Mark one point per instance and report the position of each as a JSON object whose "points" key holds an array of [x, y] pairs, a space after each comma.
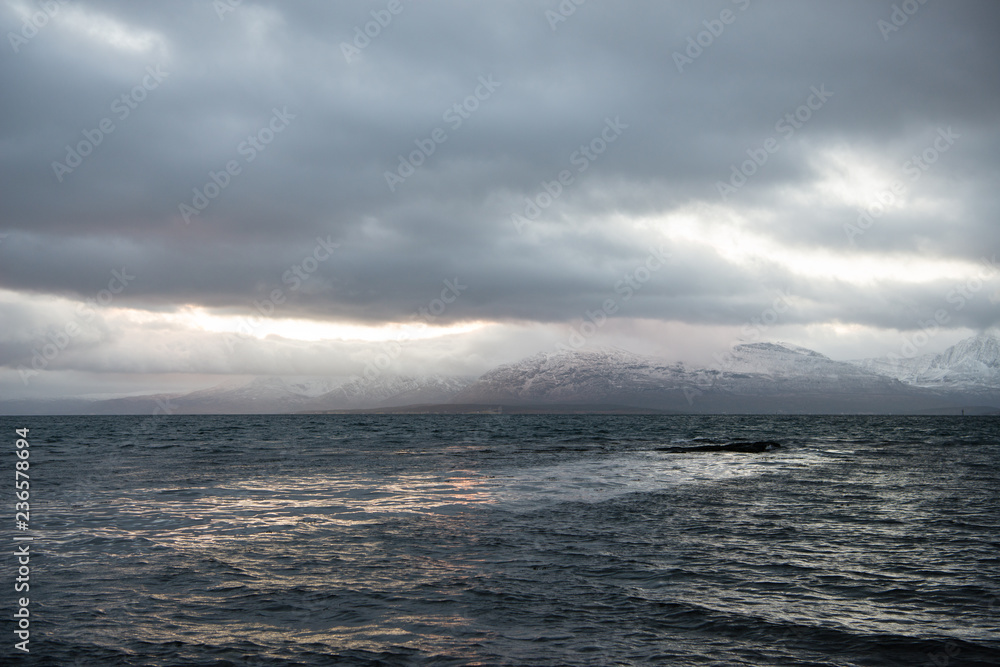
{"points": [[756, 377], [782, 367], [581, 376], [775, 359], [972, 364]]}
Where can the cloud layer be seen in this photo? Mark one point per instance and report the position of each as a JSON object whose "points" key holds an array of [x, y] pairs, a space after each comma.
{"points": [[350, 158]]}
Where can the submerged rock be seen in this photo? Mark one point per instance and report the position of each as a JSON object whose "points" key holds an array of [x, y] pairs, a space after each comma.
{"points": [[745, 447]]}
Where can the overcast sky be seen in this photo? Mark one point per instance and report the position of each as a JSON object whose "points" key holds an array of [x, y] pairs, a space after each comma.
{"points": [[193, 190]]}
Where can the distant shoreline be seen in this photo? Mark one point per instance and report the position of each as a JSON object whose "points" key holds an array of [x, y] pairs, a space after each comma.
{"points": [[494, 409], [598, 409]]}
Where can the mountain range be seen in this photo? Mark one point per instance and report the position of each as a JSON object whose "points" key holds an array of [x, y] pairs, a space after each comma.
{"points": [[751, 378], [970, 365]]}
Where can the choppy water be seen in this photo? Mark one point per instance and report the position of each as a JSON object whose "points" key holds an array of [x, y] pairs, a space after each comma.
{"points": [[521, 540]]}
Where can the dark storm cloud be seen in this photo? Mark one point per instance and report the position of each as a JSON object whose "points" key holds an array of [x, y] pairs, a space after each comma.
{"points": [[343, 125]]}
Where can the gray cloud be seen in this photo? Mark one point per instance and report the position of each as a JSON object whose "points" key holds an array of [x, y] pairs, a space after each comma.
{"points": [[345, 124]]}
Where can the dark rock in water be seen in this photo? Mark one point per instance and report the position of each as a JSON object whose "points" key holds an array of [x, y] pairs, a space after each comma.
{"points": [[745, 447]]}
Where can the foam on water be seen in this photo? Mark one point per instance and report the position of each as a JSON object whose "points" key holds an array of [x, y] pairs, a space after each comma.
{"points": [[599, 480]]}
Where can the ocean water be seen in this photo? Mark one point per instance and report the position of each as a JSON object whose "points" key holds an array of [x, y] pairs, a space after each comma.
{"points": [[507, 540]]}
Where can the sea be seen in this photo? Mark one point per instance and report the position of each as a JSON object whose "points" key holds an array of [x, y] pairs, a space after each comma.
{"points": [[504, 540]]}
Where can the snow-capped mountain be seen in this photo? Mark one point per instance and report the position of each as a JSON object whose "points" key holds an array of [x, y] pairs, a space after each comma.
{"points": [[972, 364], [769, 367], [756, 377], [605, 375], [776, 359]]}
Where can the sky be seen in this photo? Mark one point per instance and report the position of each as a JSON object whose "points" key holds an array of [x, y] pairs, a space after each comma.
{"points": [[202, 190]]}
